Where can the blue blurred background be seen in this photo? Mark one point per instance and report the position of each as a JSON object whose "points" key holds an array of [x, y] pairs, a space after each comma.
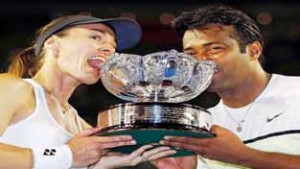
{"points": [[278, 20]]}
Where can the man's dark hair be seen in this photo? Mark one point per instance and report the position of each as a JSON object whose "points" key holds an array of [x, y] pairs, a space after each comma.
{"points": [[246, 30]]}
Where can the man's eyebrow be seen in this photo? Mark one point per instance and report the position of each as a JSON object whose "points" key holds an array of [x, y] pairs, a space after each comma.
{"points": [[209, 44], [205, 45], [213, 43], [188, 49]]}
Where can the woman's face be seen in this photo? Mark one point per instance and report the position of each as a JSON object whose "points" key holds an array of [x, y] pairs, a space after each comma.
{"points": [[82, 51]]}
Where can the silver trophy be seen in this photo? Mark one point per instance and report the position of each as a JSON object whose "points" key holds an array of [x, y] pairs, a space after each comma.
{"points": [[156, 85]]}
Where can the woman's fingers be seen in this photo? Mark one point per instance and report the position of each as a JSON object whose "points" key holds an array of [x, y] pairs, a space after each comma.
{"points": [[140, 151], [109, 139], [90, 131], [147, 152], [158, 152]]}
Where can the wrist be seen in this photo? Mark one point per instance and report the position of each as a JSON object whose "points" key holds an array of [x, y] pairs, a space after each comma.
{"points": [[247, 157], [50, 157]]}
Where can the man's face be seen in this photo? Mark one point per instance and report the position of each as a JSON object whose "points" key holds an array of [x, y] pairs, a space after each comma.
{"points": [[215, 42], [84, 49]]}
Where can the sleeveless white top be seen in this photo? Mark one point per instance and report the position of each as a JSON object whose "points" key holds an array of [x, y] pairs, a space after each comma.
{"points": [[38, 129]]}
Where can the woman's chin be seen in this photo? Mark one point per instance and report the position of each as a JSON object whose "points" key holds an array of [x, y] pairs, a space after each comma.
{"points": [[92, 78], [91, 81]]}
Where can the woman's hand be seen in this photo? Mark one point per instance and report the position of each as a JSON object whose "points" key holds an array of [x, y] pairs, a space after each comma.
{"points": [[144, 153], [87, 148]]}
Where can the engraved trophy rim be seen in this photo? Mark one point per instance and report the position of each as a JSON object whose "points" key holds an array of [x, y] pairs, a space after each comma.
{"points": [[148, 123]]}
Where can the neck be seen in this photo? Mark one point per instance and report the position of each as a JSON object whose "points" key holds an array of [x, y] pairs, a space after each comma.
{"points": [[245, 92], [56, 84]]}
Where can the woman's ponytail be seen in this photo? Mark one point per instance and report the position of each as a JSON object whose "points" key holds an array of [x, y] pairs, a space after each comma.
{"points": [[25, 64]]}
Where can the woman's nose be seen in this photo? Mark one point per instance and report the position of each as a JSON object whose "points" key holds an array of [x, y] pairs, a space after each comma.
{"points": [[106, 51]]}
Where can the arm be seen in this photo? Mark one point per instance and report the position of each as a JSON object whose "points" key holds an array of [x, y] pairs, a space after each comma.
{"points": [[17, 102], [12, 87], [264, 160], [188, 162], [227, 147], [15, 157]]}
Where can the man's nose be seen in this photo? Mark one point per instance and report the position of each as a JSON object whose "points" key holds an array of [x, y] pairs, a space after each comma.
{"points": [[202, 57]]}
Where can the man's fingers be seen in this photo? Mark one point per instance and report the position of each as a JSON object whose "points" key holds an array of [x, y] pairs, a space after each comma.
{"points": [[186, 140], [193, 141], [191, 147]]}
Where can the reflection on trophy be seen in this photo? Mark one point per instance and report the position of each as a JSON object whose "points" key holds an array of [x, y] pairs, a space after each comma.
{"points": [[155, 85]]}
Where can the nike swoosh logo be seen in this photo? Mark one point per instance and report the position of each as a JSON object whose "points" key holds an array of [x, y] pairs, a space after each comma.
{"points": [[269, 119]]}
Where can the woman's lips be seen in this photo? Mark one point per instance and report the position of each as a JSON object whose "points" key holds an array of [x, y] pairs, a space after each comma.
{"points": [[96, 62]]}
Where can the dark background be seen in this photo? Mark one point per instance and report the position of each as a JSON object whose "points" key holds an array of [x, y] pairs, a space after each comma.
{"points": [[278, 20]]}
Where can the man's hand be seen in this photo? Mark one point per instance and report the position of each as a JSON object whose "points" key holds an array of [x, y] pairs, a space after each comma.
{"points": [[87, 149], [226, 146]]}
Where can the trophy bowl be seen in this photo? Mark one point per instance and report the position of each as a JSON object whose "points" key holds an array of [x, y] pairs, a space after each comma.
{"points": [[156, 85]]}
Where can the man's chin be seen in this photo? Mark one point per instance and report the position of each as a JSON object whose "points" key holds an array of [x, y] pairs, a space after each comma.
{"points": [[211, 87]]}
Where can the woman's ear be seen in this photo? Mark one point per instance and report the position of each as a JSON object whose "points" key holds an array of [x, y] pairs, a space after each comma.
{"points": [[254, 50], [51, 45]]}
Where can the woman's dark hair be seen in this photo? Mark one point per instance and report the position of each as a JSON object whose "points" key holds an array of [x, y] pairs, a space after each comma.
{"points": [[25, 64], [246, 29]]}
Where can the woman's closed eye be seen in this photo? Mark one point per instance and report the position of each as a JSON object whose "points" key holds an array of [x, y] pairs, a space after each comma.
{"points": [[96, 37]]}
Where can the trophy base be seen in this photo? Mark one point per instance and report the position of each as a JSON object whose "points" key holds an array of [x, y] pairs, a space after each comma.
{"points": [[153, 133]]}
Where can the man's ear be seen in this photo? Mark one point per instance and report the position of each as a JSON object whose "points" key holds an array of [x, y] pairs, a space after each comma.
{"points": [[51, 44], [254, 49]]}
